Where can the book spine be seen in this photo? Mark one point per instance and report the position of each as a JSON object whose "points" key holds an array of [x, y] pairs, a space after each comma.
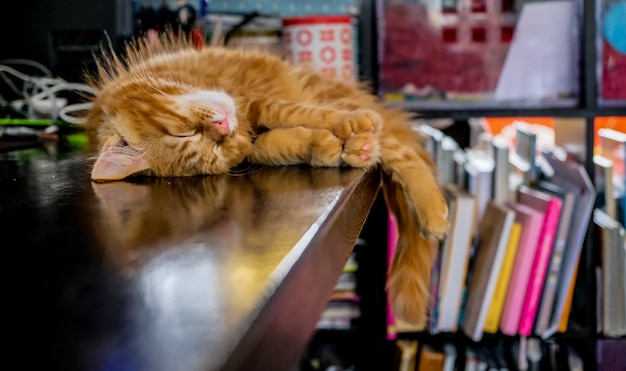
{"points": [[502, 170], [392, 240], [435, 299], [509, 320], [452, 276], [567, 306], [487, 295], [549, 290], [451, 356], [549, 295], [439, 271], [540, 266], [408, 354], [430, 359], [497, 303], [609, 320]]}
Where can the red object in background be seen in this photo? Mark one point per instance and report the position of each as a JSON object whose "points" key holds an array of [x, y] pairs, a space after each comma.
{"points": [[421, 54], [508, 6], [479, 34], [197, 37], [324, 42], [613, 72], [449, 34], [479, 6], [506, 34]]}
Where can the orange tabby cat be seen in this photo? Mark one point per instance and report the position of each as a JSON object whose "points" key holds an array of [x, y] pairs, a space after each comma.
{"points": [[167, 109]]}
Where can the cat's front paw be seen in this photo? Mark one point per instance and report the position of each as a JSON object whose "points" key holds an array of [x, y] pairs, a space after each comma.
{"points": [[361, 150], [326, 149], [361, 121], [433, 218]]}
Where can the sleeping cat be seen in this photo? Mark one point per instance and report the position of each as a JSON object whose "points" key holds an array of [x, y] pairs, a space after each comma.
{"points": [[168, 109]]}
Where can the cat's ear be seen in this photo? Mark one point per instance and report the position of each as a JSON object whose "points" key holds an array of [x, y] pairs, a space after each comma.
{"points": [[117, 160]]}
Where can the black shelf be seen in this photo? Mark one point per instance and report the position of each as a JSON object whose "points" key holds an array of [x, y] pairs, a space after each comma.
{"points": [[459, 337], [464, 114], [586, 107]]}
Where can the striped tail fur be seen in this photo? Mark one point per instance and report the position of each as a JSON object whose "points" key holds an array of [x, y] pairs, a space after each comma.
{"points": [[412, 194]]}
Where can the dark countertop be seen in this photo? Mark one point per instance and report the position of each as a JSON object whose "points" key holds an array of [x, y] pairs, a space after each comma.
{"points": [[201, 273]]}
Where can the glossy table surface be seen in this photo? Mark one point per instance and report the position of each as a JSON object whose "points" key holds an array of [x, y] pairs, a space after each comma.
{"points": [[200, 273]]}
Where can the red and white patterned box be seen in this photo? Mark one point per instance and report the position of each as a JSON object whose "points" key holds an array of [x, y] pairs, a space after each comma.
{"points": [[324, 42]]}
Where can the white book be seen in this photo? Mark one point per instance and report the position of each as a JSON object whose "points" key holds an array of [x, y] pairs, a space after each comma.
{"points": [[445, 160], [455, 257], [479, 168], [502, 170], [613, 268], [433, 139], [451, 355]]}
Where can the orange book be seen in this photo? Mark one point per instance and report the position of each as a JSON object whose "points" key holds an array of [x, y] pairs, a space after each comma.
{"points": [[431, 359], [568, 302]]}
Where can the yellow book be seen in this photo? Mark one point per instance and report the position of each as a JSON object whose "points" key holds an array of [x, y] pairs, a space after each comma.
{"points": [[497, 302]]}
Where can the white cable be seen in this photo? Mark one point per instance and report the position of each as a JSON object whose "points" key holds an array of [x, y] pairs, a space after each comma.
{"points": [[28, 62], [35, 101], [40, 93], [64, 86], [38, 82], [64, 113], [15, 73]]}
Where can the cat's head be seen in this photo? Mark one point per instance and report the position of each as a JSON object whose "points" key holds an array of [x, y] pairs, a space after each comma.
{"points": [[158, 127]]}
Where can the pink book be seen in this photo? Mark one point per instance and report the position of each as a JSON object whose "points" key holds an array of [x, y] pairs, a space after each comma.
{"points": [[551, 206], [530, 220]]}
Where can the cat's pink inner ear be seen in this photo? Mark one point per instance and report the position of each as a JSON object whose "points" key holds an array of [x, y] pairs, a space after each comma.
{"points": [[117, 162]]}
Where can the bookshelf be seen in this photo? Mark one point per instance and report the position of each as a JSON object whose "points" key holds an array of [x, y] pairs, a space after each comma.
{"points": [[587, 107]]}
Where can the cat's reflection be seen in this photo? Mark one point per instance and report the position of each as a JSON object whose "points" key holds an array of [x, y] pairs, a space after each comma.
{"points": [[150, 211]]}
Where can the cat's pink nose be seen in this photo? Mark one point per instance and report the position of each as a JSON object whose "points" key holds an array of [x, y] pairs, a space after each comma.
{"points": [[222, 126]]}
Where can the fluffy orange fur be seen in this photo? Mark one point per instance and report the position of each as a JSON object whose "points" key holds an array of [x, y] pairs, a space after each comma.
{"points": [[168, 109]]}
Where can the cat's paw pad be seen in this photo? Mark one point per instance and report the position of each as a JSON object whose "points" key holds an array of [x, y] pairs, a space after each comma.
{"points": [[433, 218], [361, 121], [361, 150]]}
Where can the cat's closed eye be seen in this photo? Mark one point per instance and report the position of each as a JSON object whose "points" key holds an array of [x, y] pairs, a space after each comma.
{"points": [[184, 134]]}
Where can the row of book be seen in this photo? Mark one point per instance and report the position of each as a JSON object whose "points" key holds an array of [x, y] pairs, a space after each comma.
{"points": [[333, 347], [519, 215], [611, 236], [343, 307], [499, 356]]}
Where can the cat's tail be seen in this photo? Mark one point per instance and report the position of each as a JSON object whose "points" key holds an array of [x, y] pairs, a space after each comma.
{"points": [[414, 197], [409, 275]]}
